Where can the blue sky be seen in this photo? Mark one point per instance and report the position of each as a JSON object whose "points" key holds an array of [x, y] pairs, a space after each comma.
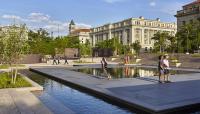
{"points": [[49, 14]]}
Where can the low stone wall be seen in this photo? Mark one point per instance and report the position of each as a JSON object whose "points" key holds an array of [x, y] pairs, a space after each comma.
{"points": [[61, 61], [31, 59], [95, 60]]}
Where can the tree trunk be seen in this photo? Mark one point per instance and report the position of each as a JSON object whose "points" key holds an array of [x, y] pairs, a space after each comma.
{"points": [[12, 74], [16, 72]]}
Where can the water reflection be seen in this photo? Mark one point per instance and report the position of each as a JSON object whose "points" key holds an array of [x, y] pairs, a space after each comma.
{"points": [[81, 103], [125, 72]]}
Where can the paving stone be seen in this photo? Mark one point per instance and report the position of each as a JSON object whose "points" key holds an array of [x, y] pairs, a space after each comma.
{"points": [[20, 102], [7, 105]]}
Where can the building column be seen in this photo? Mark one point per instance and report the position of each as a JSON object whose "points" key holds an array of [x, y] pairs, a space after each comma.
{"points": [[148, 33], [109, 34], [124, 37], [142, 37], [132, 35], [94, 40]]}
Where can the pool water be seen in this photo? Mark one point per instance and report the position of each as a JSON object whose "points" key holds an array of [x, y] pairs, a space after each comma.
{"points": [[57, 97], [125, 72]]}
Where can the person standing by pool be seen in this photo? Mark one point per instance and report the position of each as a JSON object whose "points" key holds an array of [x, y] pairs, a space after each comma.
{"points": [[166, 68], [58, 58], [161, 69], [104, 63], [66, 62], [54, 60]]}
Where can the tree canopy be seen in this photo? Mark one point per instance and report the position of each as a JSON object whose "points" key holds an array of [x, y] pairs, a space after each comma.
{"points": [[136, 46], [14, 44]]}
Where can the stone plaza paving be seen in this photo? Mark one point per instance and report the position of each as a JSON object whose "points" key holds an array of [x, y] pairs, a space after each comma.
{"points": [[142, 93], [20, 102]]}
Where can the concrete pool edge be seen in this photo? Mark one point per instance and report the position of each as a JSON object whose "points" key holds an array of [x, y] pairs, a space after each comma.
{"points": [[114, 98], [99, 93]]}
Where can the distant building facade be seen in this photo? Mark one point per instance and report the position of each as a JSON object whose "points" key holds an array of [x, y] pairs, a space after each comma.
{"points": [[81, 33], [130, 30], [188, 14]]}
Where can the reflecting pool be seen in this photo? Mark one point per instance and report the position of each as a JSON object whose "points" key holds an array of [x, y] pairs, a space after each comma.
{"points": [[56, 93]]}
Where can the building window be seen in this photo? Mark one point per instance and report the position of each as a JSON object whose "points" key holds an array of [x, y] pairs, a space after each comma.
{"points": [[151, 49], [145, 31], [146, 49], [191, 21], [145, 23], [138, 22], [149, 40], [183, 22], [128, 35], [146, 41]]}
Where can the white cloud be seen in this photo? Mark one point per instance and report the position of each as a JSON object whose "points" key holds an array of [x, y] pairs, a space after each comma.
{"points": [[152, 3], [39, 20], [39, 17], [6, 16], [113, 1]]}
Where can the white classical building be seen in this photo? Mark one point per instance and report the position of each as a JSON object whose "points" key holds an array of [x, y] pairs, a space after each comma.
{"points": [[130, 30], [81, 33]]}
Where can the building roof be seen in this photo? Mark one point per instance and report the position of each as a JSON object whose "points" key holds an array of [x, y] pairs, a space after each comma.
{"points": [[195, 2], [81, 30], [72, 22]]}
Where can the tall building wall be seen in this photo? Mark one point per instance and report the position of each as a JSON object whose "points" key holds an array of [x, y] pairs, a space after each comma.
{"points": [[130, 30], [189, 13]]}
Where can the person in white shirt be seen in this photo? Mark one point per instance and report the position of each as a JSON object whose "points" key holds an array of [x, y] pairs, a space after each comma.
{"points": [[166, 68]]}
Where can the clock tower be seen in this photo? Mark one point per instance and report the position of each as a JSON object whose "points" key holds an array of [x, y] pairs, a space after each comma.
{"points": [[71, 26]]}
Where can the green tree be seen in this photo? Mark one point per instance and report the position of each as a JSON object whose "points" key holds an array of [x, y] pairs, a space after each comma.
{"points": [[41, 43], [15, 45], [72, 42], [160, 39], [187, 30], [113, 44], [189, 36], [172, 43], [136, 46], [196, 31], [126, 49], [1, 46], [86, 48]]}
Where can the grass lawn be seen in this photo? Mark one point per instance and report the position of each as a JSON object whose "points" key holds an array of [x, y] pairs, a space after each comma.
{"points": [[5, 82], [4, 66], [196, 55]]}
